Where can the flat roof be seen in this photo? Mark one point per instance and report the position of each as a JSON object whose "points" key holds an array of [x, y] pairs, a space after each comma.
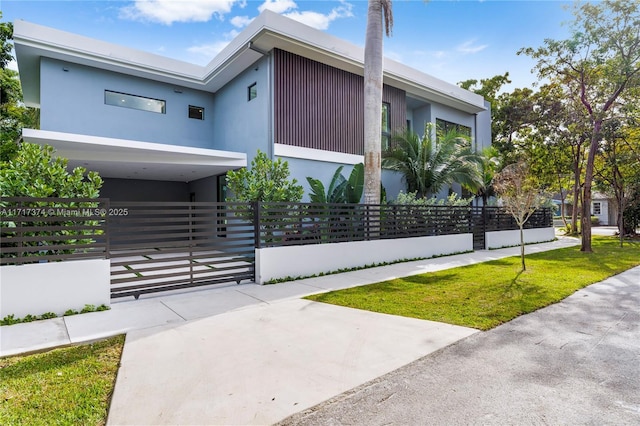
{"points": [[267, 31]]}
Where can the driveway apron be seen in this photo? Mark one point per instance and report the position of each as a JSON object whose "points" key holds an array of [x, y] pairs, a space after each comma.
{"points": [[262, 364]]}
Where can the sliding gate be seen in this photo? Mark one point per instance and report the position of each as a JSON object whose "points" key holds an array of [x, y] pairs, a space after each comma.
{"points": [[166, 246]]}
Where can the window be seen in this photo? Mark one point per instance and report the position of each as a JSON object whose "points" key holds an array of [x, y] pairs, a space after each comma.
{"points": [[386, 126], [597, 208], [196, 112], [252, 91], [447, 126], [135, 102]]}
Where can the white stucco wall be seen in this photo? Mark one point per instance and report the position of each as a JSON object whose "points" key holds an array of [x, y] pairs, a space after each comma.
{"points": [[498, 239], [39, 288], [296, 261]]}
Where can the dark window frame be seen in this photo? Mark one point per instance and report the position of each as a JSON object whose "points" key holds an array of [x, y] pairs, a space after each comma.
{"points": [[252, 91], [196, 112], [119, 100], [597, 211], [447, 126]]}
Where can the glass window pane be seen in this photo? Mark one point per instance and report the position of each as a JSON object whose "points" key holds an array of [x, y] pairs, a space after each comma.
{"points": [[135, 102], [253, 91]]}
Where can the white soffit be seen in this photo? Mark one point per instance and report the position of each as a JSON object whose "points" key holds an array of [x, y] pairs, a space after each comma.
{"points": [[127, 159]]}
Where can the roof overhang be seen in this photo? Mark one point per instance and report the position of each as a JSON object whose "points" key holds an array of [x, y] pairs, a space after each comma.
{"points": [[266, 32], [127, 159]]}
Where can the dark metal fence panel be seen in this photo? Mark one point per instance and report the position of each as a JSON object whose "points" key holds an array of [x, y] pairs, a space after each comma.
{"points": [[35, 230], [164, 246], [282, 224]]}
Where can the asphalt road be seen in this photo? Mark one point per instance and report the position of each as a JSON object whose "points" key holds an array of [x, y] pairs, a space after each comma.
{"points": [[575, 362]]}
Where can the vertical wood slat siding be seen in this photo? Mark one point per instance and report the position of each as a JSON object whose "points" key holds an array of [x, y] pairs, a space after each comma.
{"points": [[319, 106]]}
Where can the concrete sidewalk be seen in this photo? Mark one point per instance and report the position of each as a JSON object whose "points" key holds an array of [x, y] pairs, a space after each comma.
{"points": [[178, 307]]}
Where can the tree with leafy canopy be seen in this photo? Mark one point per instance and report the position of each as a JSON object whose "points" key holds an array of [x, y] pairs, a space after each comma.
{"points": [[519, 197], [597, 65], [265, 181], [618, 167], [35, 172], [13, 114]]}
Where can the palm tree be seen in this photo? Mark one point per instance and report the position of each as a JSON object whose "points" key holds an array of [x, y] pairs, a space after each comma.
{"points": [[488, 165], [428, 164], [377, 11]]}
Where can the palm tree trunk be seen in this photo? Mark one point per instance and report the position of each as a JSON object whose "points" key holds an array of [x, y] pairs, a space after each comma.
{"points": [[373, 103]]}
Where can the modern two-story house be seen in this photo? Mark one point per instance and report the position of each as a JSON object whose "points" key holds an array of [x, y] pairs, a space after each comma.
{"points": [[158, 129]]}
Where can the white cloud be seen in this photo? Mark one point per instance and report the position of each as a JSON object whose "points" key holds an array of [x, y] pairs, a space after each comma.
{"points": [[468, 47], [314, 19], [209, 51], [169, 11], [278, 6], [240, 21]]}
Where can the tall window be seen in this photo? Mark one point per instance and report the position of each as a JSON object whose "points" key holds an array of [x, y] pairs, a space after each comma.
{"points": [[252, 91], [597, 208], [386, 126], [134, 102]]}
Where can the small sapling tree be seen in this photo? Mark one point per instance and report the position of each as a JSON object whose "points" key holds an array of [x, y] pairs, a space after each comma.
{"points": [[519, 196]]}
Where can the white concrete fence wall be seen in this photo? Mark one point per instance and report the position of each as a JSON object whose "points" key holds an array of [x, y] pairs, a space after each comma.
{"points": [[499, 239], [38, 288], [300, 261]]}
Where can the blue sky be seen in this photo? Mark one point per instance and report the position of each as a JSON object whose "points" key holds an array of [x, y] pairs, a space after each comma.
{"points": [[452, 40]]}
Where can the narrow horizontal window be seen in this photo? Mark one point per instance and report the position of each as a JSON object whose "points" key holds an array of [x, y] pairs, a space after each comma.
{"points": [[134, 102], [447, 126], [196, 112], [252, 91]]}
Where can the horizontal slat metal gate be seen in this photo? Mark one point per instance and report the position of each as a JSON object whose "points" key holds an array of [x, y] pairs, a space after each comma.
{"points": [[166, 246]]}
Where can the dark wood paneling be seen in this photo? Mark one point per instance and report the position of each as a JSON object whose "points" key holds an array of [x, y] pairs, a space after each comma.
{"points": [[321, 107]]}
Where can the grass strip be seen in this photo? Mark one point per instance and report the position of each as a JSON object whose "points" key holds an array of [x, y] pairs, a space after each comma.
{"points": [[67, 386], [488, 294]]}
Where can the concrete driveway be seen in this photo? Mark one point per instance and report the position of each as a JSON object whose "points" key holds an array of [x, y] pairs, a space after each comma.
{"points": [[260, 364], [575, 362]]}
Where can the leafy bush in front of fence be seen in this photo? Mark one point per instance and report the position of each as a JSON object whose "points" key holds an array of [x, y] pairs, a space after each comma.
{"points": [[267, 181], [35, 173]]}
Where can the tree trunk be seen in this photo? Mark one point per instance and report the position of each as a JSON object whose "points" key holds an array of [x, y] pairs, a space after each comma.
{"points": [[373, 103], [576, 198], [586, 198], [524, 267]]}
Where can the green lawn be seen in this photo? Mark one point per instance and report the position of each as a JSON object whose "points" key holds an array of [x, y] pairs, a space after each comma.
{"points": [[67, 386], [488, 294]]}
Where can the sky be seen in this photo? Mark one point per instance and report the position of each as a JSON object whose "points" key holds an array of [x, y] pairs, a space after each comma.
{"points": [[451, 40]]}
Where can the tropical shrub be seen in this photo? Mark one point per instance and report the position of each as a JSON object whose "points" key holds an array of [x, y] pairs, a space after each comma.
{"points": [[340, 190], [429, 163]]}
